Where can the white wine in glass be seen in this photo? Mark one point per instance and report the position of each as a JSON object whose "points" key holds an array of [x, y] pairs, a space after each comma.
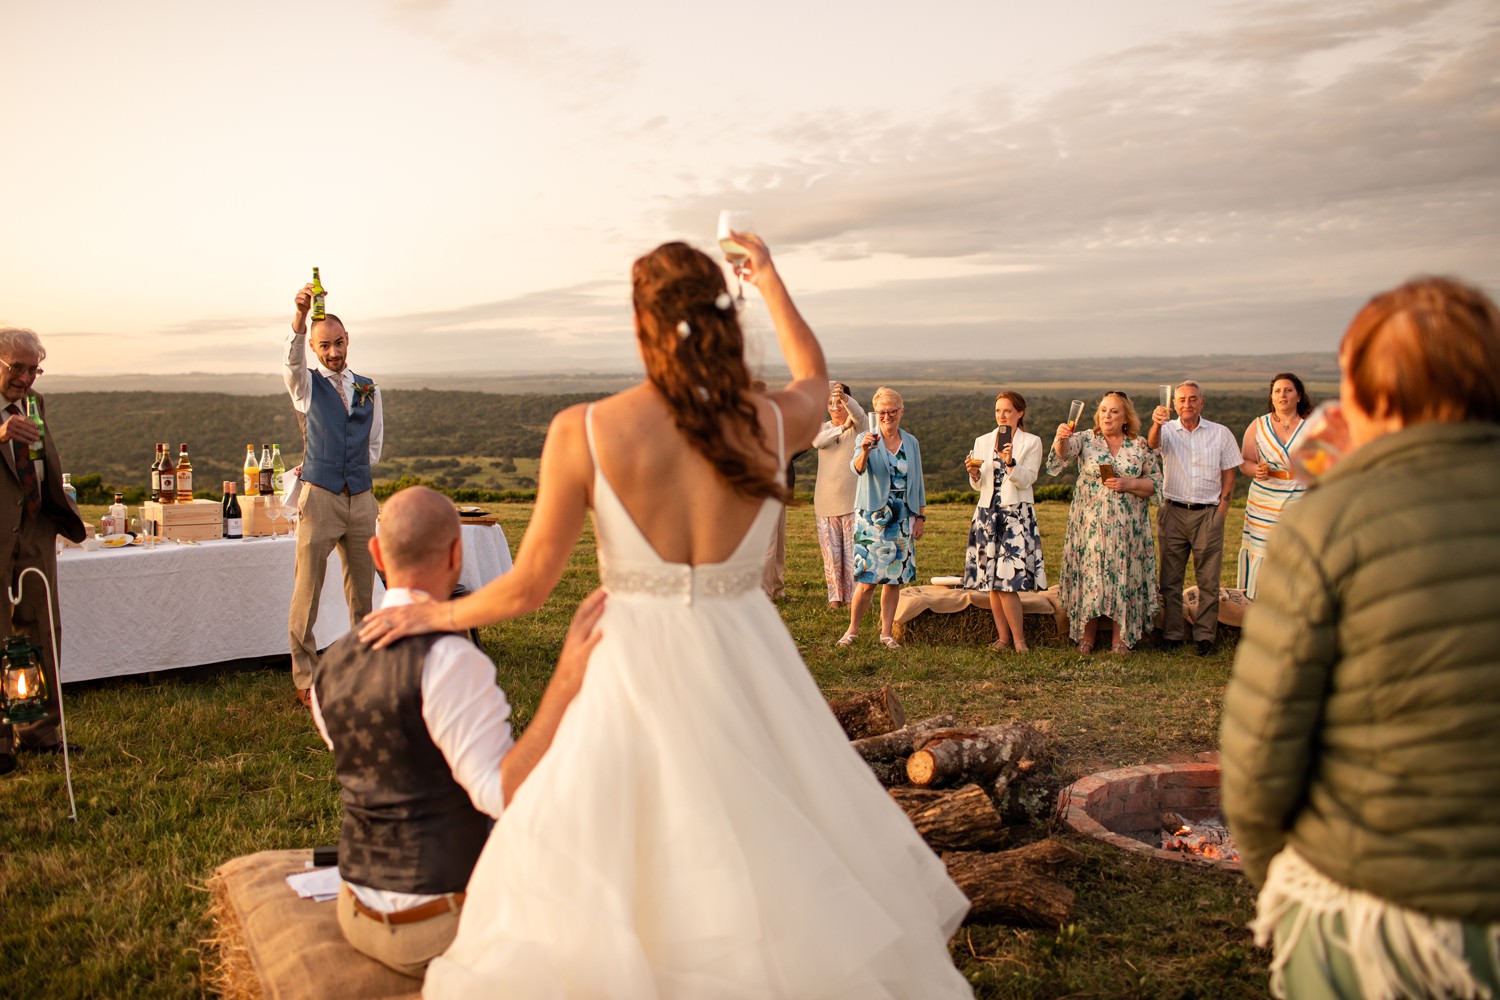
{"points": [[733, 221]]}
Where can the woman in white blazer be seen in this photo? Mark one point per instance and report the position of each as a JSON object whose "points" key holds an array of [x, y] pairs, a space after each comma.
{"points": [[1004, 555]]}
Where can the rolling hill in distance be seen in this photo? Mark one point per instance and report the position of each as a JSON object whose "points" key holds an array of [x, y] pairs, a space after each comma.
{"points": [[485, 431]]}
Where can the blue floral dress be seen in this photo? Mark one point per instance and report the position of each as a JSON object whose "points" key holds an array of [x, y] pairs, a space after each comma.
{"points": [[1005, 546], [882, 538]]}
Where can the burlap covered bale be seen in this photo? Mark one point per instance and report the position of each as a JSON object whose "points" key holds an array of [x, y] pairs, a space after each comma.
{"points": [[948, 616], [272, 945]]}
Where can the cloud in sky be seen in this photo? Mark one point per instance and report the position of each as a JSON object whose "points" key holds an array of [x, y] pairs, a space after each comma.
{"points": [[1234, 177]]}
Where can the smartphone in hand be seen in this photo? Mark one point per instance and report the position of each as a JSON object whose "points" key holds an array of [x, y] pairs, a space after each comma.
{"points": [[1106, 471], [1003, 435]]}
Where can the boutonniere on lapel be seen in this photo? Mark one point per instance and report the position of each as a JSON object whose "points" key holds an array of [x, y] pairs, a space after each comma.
{"points": [[363, 393]]}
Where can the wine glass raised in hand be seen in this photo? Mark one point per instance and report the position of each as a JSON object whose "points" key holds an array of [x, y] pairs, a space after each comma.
{"points": [[730, 222], [1075, 410]]}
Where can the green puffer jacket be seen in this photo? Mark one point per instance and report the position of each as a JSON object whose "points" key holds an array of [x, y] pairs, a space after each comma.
{"points": [[1362, 721]]}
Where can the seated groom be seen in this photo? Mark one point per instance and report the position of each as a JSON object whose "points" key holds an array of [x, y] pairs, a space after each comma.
{"points": [[422, 745]]}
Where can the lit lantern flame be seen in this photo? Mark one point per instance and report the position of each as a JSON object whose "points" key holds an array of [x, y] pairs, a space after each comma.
{"points": [[21, 686]]}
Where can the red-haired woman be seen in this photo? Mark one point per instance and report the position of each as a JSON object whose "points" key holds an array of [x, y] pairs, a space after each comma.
{"points": [[1362, 721], [667, 844]]}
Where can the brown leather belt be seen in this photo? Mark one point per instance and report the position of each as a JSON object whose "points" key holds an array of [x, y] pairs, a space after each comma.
{"points": [[1280, 474], [451, 903]]}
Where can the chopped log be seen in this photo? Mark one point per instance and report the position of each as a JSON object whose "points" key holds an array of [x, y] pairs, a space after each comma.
{"points": [[901, 742], [915, 799], [890, 773], [979, 758], [870, 713], [964, 820], [1013, 887]]}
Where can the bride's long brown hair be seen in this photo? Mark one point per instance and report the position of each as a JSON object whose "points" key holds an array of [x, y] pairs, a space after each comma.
{"points": [[695, 356]]}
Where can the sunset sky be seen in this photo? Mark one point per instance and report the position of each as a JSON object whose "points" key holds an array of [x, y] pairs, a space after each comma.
{"points": [[957, 180]]}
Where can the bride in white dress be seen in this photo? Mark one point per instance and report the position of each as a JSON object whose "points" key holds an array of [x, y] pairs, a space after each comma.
{"points": [[700, 826]]}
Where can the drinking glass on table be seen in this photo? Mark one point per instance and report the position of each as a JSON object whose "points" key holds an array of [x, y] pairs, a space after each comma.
{"points": [[1075, 410], [275, 510], [730, 222]]}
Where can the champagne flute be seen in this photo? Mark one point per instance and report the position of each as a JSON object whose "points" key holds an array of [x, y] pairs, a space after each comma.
{"points": [[731, 221], [1075, 410]]}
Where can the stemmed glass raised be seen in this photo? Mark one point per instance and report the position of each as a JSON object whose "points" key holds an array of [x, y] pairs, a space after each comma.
{"points": [[732, 221]]}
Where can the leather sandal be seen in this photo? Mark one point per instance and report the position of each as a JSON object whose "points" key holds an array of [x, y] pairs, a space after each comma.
{"points": [[1086, 647], [1001, 645]]}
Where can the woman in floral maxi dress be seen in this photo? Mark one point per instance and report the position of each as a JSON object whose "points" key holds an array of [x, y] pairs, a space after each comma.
{"points": [[1109, 556]]}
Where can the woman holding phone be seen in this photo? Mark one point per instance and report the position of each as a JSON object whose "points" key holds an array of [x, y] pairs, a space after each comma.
{"points": [[1004, 555], [1109, 558]]}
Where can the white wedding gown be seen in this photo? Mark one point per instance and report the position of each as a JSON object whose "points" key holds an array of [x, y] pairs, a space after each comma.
{"points": [[700, 827]]}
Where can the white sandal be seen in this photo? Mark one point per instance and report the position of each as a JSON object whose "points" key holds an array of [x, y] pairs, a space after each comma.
{"points": [[889, 642], [847, 639]]}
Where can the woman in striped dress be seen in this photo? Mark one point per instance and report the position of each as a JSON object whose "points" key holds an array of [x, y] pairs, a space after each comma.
{"points": [[1267, 441]]}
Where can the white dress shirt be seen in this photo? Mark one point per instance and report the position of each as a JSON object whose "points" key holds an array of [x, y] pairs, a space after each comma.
{"points": [[298, 378], [1193, 461], [467, 717]]}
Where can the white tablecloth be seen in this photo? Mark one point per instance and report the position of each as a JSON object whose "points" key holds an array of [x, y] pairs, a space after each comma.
{"points": [[136, 610], [486, 555]]}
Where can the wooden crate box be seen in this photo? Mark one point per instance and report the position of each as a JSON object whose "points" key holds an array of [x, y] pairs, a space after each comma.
{"points": [[198, 521]]}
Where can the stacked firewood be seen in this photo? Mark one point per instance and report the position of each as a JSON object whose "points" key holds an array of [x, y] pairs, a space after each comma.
{"points": [[965, 788]]}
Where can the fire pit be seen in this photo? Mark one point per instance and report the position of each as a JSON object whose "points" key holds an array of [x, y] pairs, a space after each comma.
{"points": [[1127, 807]]}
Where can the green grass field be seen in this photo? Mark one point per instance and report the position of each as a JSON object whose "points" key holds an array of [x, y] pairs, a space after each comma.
{"points": [[186, 770]]}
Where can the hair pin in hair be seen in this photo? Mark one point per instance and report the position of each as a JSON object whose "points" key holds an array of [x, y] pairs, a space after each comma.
{"points": [[723, 302], [683, 330], [702, 392]]}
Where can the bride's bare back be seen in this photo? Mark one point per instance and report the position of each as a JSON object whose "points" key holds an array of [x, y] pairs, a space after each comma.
{"points": [[681, 504]]}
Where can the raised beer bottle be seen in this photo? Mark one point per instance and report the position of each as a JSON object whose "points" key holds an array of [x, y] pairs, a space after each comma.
{"points": [[234, 523], [252, 471], [319, 310], [168, 475], [34, 414], [184, 476], [266, 484]]}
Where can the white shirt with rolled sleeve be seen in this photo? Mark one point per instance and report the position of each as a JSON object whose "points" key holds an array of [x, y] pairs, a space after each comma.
{"points": [[1193, 461], [468, 718]]}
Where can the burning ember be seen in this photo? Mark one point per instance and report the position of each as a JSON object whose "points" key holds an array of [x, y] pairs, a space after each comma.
{"points": [[1207, 838]]}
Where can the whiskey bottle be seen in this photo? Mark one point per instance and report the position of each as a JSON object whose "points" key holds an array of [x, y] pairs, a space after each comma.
{"points": [[156, 476], [184, 476], [168, 475]]}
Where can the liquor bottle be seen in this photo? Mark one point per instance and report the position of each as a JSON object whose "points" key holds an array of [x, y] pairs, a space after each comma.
{"points": [[168, 475], [319, 311], [278, 471], [266, 483], [34, 414], [118, 513], [234, 524], [252, 471], [184, 476], [68, 489], [156, 476]]}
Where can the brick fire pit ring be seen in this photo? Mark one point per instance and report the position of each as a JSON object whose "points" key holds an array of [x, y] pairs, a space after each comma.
{"points": [[1123, 807]]}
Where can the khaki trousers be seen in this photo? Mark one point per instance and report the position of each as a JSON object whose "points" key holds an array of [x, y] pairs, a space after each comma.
{"points": [[328, 521], [407, 948], [1200, 534]]}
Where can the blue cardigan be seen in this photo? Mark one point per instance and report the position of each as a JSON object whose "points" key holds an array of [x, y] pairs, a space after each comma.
{"points": [[874, 487]]}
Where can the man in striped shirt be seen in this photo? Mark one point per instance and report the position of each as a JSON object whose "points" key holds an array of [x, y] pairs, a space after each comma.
{"points": [[1199, 458]]}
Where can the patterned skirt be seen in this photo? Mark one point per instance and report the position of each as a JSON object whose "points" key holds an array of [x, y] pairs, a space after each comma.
{"points": [[883, 545], [1005, 550]]}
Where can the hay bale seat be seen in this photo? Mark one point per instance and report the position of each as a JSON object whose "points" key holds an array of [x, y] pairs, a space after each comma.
{"points": [[273, 945], [950, 616]]}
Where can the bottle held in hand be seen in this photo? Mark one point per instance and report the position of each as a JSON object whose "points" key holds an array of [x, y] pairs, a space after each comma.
{"points": [[34, 414], [319, 309]]}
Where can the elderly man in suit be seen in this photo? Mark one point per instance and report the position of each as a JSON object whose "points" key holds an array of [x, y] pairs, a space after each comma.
{"points": [[33, 512]]}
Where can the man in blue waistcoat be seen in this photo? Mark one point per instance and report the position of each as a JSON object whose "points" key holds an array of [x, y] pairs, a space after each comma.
{"points": [[337, 509]]}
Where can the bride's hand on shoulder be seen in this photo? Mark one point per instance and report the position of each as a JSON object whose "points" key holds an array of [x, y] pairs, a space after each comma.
{"points": [[383, 627]]}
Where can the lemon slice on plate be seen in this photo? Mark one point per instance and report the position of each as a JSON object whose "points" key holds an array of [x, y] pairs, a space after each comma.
{"points": [[116, 541]]}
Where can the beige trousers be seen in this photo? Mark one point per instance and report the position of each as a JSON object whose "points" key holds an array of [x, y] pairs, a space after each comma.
{"points": [[407, 948], [328, 521]]}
